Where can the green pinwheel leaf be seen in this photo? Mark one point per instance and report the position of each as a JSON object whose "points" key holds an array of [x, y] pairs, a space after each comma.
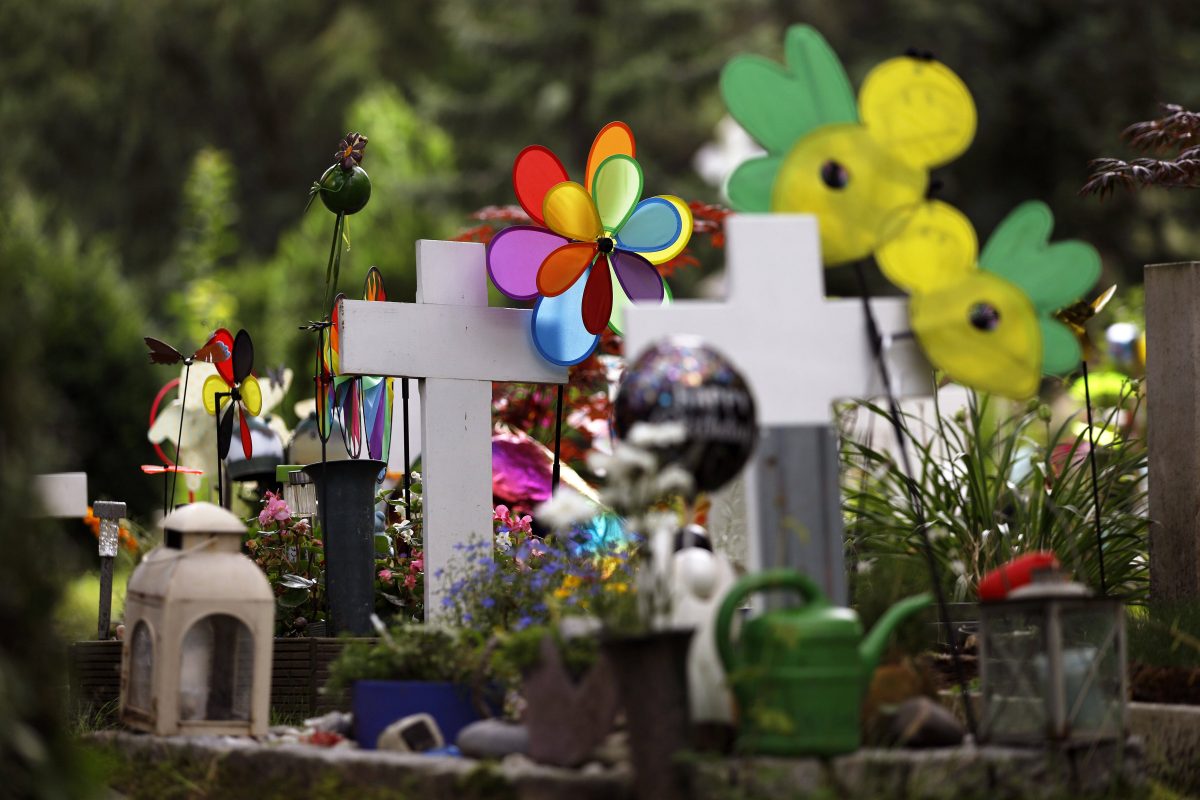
{"points": [[750, 184], [1060, 349], [779, 105], [1053, 275], [810, 58]]}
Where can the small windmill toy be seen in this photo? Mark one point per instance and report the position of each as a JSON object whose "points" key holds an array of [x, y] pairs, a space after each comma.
{"points": [[233, 390], [215, 351]]}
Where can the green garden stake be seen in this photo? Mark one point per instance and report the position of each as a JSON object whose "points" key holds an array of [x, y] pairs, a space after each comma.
{"points": [[344, 188], [800, 674]]}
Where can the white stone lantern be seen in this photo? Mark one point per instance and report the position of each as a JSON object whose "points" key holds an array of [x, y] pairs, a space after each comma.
{"points": [[199, 622]]}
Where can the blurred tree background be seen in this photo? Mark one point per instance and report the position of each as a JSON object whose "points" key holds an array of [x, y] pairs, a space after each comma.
{"points": [[158, 153]]}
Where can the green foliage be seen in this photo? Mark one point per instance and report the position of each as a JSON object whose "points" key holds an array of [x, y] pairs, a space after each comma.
{"points": [[410, 653], [292, 555], [37, 759], [1165, 635], [994, 484], [520, 651]]}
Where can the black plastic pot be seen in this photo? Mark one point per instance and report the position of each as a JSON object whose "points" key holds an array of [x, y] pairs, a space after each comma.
{"points": [[651, 673], [346, 508]]}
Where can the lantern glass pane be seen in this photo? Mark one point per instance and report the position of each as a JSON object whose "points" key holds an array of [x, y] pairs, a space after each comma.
{"points": [[1092, 670], [1015, 669], [141, 667], [216, 670]]}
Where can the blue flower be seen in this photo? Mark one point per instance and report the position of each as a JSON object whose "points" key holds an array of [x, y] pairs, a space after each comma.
{"points": [[523, 623], [488, 602]]}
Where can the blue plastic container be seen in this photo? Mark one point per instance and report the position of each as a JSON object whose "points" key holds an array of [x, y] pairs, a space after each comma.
{"points": [[377, 704]]}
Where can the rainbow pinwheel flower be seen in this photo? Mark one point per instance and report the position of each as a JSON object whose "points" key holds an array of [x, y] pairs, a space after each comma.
{"points": [[853, 166], [588, 239], [988, 319]]}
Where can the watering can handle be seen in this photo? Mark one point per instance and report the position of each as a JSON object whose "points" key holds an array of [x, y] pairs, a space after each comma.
{"points": [[768, 579]]}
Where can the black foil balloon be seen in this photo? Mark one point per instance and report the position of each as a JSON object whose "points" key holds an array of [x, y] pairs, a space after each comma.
{"points": [[681, 379]]}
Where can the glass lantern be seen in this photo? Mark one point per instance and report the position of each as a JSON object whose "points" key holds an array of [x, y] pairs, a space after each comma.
{"points": [[1052, 666]]}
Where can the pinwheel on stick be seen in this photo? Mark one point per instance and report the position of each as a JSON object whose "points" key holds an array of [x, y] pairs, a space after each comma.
{"points": [[233, 390], [215, 351]]}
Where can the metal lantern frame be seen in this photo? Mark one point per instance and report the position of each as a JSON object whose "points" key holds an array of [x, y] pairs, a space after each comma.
{"points": [[1041, 680]]}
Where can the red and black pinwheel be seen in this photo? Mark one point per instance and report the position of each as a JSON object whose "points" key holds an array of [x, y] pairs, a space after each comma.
{"points": [[233, 390]]}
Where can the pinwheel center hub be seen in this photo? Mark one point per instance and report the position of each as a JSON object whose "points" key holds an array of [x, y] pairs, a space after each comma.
{"points": [[834, 175], [605, 244], [984, 317]]}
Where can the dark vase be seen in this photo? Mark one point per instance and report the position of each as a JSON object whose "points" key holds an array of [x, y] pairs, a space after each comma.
{"points": [[651, 674], [346, 505]]}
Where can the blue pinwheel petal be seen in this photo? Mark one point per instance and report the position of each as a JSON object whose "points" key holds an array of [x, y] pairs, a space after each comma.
{"points": [[654, 225], [558, 330]]}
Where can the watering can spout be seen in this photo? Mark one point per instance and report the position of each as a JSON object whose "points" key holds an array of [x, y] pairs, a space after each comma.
{"points": [[872, 647]]}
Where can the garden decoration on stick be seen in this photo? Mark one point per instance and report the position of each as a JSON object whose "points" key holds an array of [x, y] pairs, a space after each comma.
{"points": [[854, 166], [344, 188], [1075, 317], [233, 390], [215, 351], [862, 170], [586, 239]]}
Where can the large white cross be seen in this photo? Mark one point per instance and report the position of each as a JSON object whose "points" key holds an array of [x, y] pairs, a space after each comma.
{"points": [[799, 351], [456, 346]]}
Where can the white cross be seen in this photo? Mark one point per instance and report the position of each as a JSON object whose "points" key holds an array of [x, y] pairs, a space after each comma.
{"points": [[798, 350], [456, 346]]}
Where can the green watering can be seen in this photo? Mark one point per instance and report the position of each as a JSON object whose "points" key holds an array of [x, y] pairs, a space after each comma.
{"points": [[799, 674]]}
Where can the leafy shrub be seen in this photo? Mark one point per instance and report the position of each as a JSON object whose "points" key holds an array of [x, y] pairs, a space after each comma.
{"points": [[410, 653], [994, 483]]}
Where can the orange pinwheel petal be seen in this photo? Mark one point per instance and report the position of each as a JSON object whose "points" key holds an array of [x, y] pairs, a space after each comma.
{"points": [[563, 267], [614, 139]]}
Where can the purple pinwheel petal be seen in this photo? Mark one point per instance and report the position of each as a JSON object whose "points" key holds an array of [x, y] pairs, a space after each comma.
{"points": [[514, 256], [638, 277]]}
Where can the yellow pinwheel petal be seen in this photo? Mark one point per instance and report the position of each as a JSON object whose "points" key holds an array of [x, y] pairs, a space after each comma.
{"points": [[918, 110], [569, 211], [251, 395], [927, 246], [212, 387], [983, 332], [850, 183]]}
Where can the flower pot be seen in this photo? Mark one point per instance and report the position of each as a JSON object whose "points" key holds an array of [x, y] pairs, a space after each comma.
{"points": [[651, 672], [567, 720], [346, 504], [377, 704]]}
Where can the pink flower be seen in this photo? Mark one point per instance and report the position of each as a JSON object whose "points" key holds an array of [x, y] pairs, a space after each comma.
{"points": [[275, 509], [501, 513], [410, 581], [385, 574], [524, 524], [417, 564]]}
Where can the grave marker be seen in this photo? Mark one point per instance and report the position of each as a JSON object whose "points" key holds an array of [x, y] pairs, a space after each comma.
{"points": [[800, 352], [1172, 407], [455, 346]]}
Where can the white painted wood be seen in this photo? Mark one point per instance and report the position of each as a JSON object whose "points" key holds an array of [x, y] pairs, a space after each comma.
{"points": [[456, 346], [61, 494], [798, 350]]}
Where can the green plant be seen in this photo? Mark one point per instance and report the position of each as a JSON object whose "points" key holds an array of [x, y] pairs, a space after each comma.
{"points": [[289, 551], [410, 653], [520, 651], [400, 556], [1165, 636], [993, 482]]}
